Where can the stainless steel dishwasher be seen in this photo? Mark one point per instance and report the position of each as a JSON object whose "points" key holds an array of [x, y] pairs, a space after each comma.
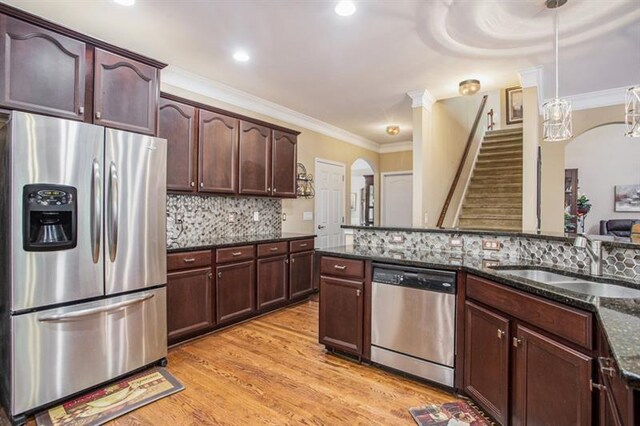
{"points": [[413, 320]]}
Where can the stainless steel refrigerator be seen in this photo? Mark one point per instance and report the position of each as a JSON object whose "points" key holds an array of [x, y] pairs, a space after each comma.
{"points": [[83, 252]]}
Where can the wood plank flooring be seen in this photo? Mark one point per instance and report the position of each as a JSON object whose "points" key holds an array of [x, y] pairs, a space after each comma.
{"points": [[272, 371]]}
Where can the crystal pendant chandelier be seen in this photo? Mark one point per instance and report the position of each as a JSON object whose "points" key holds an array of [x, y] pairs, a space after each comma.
{"points": [[556, 113], [632, 112]]}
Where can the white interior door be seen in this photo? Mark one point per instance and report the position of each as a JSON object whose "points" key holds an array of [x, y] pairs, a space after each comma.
{"points": [[329, 204], [397, 199]]}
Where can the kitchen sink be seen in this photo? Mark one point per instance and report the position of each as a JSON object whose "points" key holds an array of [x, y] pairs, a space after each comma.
{"points": [[577, 285]]}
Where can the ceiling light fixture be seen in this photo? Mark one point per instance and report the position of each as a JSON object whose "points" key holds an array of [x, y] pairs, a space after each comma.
{"points": [[632, 112], [125, 2], [241, 56], [556, 113], [345, 8], [393, 130], [469, 87]]}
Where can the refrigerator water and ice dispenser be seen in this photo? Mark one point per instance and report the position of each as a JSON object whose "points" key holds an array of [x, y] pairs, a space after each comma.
{"points": [[50, 217]]}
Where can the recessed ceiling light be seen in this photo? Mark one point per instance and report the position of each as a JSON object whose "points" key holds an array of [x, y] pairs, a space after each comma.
{"points": [[241, 56], [345, 8], [125, 2], [393, 130]]}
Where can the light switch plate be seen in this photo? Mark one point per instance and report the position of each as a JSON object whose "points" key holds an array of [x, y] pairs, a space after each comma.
{"points": [[232, 217], [307, 216], [397, 238], [284, 217], [455, 242], [256, 216], [491, 245]]}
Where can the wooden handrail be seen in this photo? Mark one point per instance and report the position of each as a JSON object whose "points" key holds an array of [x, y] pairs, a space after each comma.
{"points": [[463, 160]]}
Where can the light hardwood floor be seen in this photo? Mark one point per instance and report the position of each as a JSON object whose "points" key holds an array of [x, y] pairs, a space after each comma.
{"points": [[272, 371]]}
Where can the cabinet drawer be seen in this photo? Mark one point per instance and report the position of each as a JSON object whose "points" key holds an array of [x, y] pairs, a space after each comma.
{"points": [[301, 245], [233, 254], [342, 267], [571, 324], [193, 259], [272, 249]]}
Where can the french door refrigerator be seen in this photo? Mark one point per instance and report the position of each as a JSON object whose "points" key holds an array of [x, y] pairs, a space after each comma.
{"points": [[83, 250]]}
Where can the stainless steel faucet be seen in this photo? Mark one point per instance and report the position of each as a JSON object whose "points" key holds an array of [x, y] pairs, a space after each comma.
{"points": [[594, 250]]}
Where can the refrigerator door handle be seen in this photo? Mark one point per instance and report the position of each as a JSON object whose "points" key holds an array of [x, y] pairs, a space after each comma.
{"points": [[96, 211], [113, 212], [115, 307]]}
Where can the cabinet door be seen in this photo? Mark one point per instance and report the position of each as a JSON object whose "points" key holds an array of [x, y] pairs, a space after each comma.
{"points": [[552, 383], [125, 93], [272, 280], [486, 360], [255, 159], [284, 162], [41, 71], [235, 290], [300, 274], [178, 127], [342, 314], [189, 302], [218, 152]]}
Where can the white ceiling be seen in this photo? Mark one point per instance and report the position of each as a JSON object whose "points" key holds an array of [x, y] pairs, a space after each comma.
{"points": [[354, 72]]}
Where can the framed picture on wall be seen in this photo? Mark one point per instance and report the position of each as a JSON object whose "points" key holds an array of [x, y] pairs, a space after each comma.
{"points": [[627, 198], [514, 105]]}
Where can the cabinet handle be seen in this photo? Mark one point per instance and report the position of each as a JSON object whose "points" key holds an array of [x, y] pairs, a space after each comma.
{"points": [[81, 110], [293, 260], [286, 261], [516, 342], [98, 115], [273, 249], [236, 253], [189, 260], [193, 184], [303, 245], [604, 369], [219, 274], [210, 275], [340, 267], [597, 386], [358, 293], [500, 333]]}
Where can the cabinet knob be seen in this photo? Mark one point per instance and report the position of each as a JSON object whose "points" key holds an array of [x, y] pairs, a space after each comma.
{"points": [[274, 189], [358, 292], [98, 115], [201, 184], [210, 275], [193, 184], [219, 274], [293, 261], [516, 342], [286, 261], [268, 189], [500, 333], [81, 110]]}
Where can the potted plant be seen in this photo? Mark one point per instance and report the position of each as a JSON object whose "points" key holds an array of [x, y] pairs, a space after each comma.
{"points": [[583, 206]]}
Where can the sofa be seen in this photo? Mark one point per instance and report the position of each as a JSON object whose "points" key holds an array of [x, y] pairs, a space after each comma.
{"points": [[617, 227]]}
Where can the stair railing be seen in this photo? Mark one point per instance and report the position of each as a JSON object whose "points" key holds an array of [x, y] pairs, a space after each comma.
{"points": [[463, 160]]}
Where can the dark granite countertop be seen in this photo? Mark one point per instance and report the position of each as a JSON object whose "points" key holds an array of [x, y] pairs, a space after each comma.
{"points": [[239, 240], [620, 318]]}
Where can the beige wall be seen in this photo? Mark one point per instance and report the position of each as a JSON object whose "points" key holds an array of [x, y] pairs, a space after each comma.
{"points": [[530, 142], [311, 145], [396, 161]]}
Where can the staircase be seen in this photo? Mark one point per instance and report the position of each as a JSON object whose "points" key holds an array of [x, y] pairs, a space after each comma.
{"points": [[494, 197]]}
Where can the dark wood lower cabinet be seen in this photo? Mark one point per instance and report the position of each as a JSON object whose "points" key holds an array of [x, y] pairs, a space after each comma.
{"points": [[552, 382], [342, 314], [486, 357], [235, 290], [190, 306], [301, 274], [272, 281]]}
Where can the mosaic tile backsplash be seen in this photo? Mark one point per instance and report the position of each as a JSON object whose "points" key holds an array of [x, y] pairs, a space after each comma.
{"points": [[194, 220], [618, 261]]}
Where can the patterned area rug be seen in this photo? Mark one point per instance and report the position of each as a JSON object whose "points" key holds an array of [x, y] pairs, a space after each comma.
{"points": [[459, 413], [112, 401]]}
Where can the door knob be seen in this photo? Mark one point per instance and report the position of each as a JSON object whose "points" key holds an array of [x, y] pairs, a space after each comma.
{"points": [[321, 226]]}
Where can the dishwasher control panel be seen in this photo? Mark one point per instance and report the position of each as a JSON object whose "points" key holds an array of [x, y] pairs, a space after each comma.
{"points": [[419, 278]]}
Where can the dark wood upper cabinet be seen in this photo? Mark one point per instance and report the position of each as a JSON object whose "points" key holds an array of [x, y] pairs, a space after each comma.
{"points": [[272, 281], [218, 153], [126, 93], [486, 358], [342, 314], [255, 159], [301, 274], [190, 305], [42, 71], [284, 160], [235, 290], [552, 382], [178, 126]]}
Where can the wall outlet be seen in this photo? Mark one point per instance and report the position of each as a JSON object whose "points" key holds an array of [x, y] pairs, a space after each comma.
{"points": [[487, 263], [256, 216], [455, 242], [491, 245], [232, 217], [397, 238], [307, 216]]}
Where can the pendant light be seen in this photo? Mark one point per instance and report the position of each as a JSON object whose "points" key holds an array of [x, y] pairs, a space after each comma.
{"points": [[632, 112], [556, 113]]}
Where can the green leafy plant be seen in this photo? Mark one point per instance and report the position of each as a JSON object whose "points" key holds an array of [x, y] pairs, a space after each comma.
{"points": [[583, 205]]}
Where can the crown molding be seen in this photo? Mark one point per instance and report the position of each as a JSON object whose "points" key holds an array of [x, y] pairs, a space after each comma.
{"points": [[421, 98], [387, 148], [598, 99], [183, 79]]}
